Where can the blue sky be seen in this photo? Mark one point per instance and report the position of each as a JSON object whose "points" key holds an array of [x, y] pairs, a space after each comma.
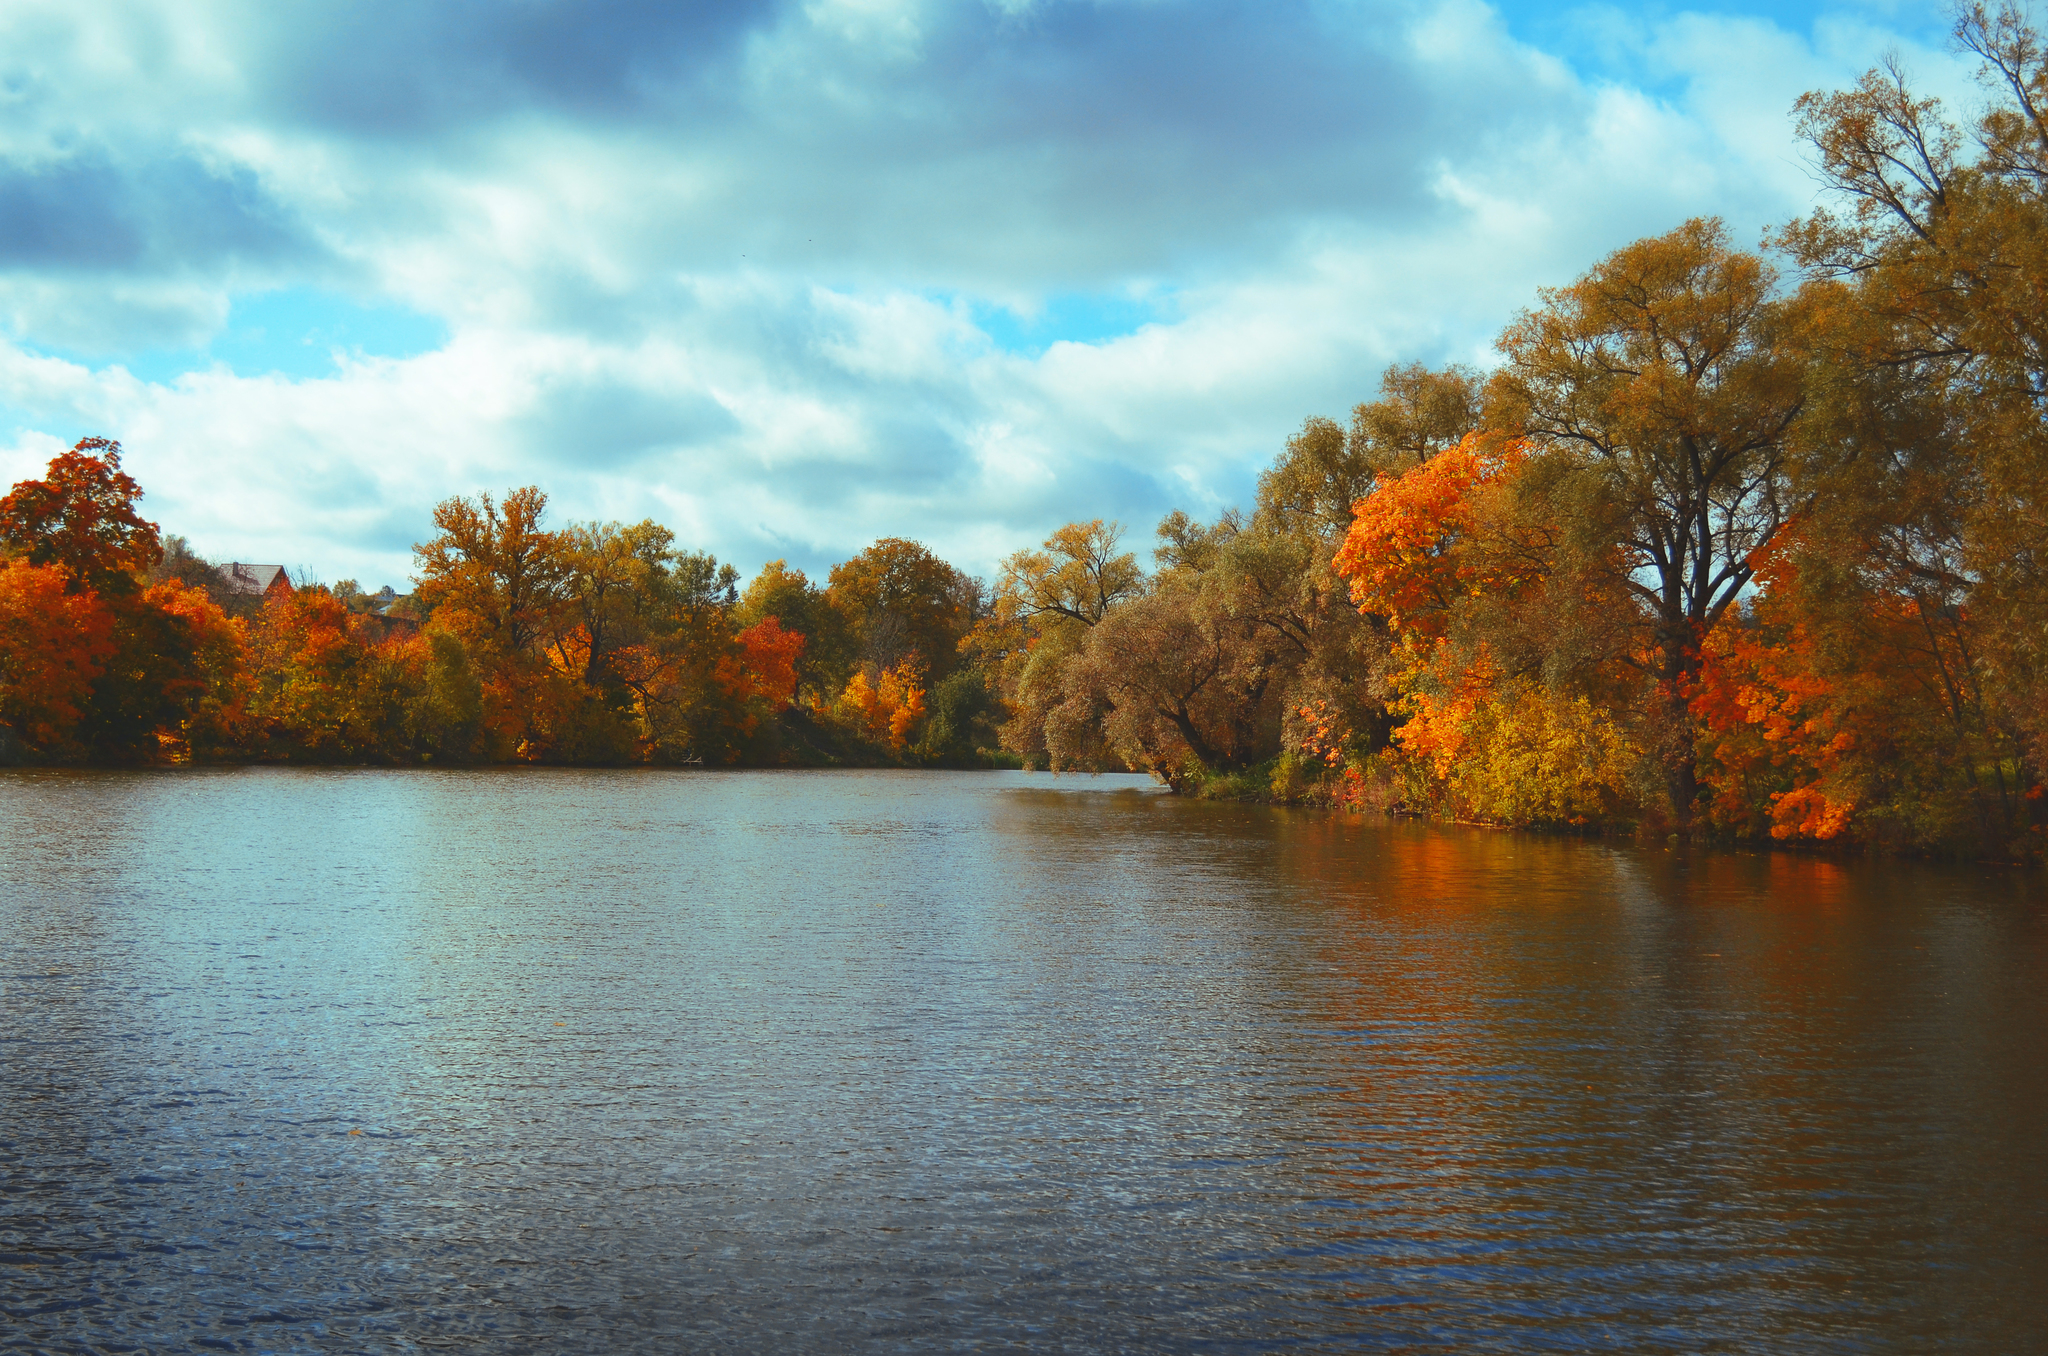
{"points": [[791, 276]]}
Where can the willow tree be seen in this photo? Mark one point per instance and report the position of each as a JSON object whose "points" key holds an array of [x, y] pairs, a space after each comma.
{"points": [[1664, 375], [1045, 605], [1934, 387], [1283, 565], [1079, 575], [1327, 468]]}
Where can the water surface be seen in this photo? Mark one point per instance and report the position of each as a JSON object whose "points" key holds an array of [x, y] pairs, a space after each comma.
{"points": [[600, 1061]]}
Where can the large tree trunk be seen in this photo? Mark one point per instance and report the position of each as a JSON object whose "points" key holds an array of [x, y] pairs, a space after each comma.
{"points": [[1678, 744], [1681, 781], [1208, 756]]}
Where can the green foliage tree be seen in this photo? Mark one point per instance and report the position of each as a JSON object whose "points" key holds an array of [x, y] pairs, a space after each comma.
{"points": [[961, 720]]}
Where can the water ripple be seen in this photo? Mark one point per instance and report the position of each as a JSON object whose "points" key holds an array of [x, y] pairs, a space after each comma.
{"points": [[612, 1062]]}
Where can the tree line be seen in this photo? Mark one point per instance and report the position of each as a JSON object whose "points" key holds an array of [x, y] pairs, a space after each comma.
{"points": [[595, 643], [1737, 543]]}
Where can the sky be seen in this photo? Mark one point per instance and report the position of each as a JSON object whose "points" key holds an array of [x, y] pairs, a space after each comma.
{"points": [[788, 277]]}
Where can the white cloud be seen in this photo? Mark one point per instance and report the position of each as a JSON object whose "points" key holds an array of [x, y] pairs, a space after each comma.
{"points": [[717, 268]]}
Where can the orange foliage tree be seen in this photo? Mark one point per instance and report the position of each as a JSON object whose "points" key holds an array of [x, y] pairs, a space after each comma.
{"points": [[1411, 554], [53, 644], [173, 658], [763, 671], [501, 582], [886, 709], [81, 518], [332, 685], [1843, 706], [320, 687], [209, 693], [1458, 556]]}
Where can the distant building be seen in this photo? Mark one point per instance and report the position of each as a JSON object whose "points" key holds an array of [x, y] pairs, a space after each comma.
{"points": [[391, 611], [257, 581]]}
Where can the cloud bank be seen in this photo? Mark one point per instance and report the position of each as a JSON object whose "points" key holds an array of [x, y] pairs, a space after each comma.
{"points": [[792, 276]]}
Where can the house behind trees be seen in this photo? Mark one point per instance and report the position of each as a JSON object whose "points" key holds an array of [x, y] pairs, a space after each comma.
{"points": [[255, 581]]}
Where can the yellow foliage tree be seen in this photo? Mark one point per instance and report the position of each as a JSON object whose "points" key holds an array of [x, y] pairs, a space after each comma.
{"points": [[1508, 749], [887, 709]]}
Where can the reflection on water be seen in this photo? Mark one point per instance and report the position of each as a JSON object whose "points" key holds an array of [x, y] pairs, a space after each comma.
{"points": [[574, 1061]]}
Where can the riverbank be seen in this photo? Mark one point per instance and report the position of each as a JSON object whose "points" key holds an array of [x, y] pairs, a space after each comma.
{"points": [[1291, 780]]}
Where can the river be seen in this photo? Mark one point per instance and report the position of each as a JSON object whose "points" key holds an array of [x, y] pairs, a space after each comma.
{"points": [[579, 1061]]}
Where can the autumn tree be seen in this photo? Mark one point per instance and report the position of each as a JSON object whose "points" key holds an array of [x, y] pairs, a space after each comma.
{"points": [[1282, 558], [206, 690], [318, 679], [1830, 713], [1667, 371], [500, 581], [173, 654], [800, 607], [502, 576], [1171, 682], [1938, 268], [901, 600], [1078, 575], [329, 684], [1044, 605], [54, 642], [176, 659], [1327, 468], [602, 642], [1183, 679], [81, 518], [1188, 674], [1505, 669], [683, 675], [617, 587], [70, 543], [763, 668], [888, 709]]}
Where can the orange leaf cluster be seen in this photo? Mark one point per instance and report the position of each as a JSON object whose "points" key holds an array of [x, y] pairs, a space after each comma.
{"points": [[764, 669], [1408, 552], [887, 709], [52, 645]]}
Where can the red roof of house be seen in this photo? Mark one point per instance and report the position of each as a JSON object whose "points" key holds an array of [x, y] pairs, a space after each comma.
{"points": [[255, 579]]}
